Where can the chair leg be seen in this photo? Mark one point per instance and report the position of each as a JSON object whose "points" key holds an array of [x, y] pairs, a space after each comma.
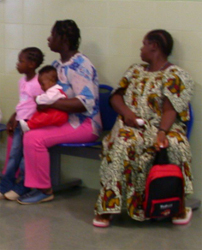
{"points": [[55, 169], [55, 166]]}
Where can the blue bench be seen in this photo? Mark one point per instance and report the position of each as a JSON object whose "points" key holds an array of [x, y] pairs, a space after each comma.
{"points": [[93, 150]]}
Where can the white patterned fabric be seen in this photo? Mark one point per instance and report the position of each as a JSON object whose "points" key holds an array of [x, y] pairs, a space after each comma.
{"points": [[128, 152]]}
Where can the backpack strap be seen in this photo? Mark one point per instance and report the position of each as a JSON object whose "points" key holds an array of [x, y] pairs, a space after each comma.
{"points": [[161, 157]]}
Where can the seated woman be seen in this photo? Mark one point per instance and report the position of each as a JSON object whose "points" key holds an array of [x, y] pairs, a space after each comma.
{"points": [[158, 93], [79, 80]]}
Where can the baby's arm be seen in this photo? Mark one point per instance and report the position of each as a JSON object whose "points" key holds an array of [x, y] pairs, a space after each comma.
{"points": [[51, 96]]}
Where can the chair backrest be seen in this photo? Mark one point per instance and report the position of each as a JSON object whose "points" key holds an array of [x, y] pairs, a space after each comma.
{"points": [[190, 123], [108, 115]]}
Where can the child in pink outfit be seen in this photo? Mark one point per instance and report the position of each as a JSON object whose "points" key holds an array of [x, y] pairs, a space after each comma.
{"points": [[53, 92], [29, 60]]}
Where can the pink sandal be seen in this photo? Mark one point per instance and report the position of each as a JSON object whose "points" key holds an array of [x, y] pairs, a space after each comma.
{"points": [[183, 221], [102, 224]]}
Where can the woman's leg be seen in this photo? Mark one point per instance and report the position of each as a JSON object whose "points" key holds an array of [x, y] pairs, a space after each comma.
{"points": [[36, 144], [123, 173]]}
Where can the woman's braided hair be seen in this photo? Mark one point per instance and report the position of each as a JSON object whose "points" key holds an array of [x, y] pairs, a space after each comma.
{"points": [[34, 54], [163, 39], [70, 30]]}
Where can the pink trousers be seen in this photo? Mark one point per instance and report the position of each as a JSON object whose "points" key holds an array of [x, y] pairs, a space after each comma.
{"points": [[36, 155]]}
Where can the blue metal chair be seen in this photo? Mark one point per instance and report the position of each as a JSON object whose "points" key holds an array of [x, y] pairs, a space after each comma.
{"points": [[190, 123]]}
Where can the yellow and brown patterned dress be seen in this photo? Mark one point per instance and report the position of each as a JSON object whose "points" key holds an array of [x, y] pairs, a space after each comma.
{"points": [[128, 152]]}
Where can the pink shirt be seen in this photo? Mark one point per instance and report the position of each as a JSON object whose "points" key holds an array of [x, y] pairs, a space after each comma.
{"points": [[27, 91]]}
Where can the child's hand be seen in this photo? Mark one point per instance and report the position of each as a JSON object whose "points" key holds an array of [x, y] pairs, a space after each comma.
{"points": [[11, 125]]}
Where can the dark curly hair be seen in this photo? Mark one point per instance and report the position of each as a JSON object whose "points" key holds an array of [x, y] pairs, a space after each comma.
{"points": [[69, 29], [163, 39], [47, 69], [34, 54]]}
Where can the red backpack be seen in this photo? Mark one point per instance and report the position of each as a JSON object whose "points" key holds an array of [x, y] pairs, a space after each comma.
{"points": [[164, 191]]}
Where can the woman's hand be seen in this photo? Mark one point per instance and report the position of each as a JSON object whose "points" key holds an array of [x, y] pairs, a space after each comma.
{"points": [[161, 140], [118, 104], [129, 119], [41, 107], [11, 125], [168, 118]]}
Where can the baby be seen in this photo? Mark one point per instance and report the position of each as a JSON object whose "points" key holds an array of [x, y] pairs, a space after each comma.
{"points": [[47, 78]]}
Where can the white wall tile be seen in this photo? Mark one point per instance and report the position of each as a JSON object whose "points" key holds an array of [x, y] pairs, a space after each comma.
{"points": [[2, 61], [191, 45], [62, 9], [94, 41], [36, 35], [190, 16], [167, 15], [9, 109], [132, 14], [14, 11], [34, 11], [8, 90], [14, 36], [2, 11], [2, 38], [10, 62], [125, 42], [10, 86], [94, 14]]}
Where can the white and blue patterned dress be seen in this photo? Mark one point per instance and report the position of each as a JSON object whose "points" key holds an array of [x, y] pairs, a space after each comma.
{"points": [[78, 78]]}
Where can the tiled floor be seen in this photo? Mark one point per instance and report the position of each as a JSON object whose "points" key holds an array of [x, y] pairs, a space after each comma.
{"points": [[65, 223]]}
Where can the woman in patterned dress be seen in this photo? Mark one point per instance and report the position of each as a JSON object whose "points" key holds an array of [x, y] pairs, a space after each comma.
{"points": [[157, 92], [79, 80]]}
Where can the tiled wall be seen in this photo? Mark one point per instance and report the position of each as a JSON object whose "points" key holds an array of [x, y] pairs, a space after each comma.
{"points": [[112, 33]]}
